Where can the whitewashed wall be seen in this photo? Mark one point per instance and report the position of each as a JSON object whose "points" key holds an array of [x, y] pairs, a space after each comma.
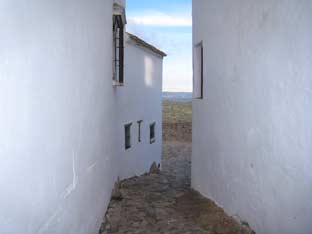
{"points": [[57, 113], [252, 141], [139, 99]]}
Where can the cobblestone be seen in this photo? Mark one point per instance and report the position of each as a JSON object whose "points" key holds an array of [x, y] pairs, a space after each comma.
{"points": [[165, 203]]}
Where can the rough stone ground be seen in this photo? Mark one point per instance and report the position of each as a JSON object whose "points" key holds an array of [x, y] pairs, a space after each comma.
{"points": [[164, 202]]}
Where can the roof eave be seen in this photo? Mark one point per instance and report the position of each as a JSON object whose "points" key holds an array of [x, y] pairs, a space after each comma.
{"points": [[144, 44]]}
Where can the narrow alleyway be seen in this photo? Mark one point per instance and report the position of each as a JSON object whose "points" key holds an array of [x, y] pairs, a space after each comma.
{"points": [[162, 201]]}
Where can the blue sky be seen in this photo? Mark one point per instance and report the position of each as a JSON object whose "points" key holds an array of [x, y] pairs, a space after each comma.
{"points": [[167, 24]]}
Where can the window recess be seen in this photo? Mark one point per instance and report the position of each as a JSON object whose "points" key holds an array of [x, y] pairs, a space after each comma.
{"points": [[139, 129], [152, 133], [198, 74], [118, 60], [128, 136]]}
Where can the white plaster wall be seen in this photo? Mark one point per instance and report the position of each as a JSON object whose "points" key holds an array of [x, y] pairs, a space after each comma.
{"points": [[56, 105], [139, 99], [252, 133]]}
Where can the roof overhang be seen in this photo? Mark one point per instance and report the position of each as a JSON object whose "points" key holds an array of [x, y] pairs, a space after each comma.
{"points": [[138, 41]]}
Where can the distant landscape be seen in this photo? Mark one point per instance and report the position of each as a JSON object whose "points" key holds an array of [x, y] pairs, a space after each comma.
{"points": [[177, 117], [177, 96]]}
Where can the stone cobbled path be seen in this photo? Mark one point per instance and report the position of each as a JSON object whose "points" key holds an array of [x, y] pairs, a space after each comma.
{"points": [[163, 202]]}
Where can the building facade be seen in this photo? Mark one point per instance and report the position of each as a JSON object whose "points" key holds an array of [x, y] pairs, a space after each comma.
{"points": [[139, 108], [59, 107], [252, 110]]}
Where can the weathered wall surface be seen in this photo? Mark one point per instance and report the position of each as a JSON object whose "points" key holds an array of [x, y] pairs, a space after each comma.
{"points": [[139, 99], [252, 131], [56, 104]]}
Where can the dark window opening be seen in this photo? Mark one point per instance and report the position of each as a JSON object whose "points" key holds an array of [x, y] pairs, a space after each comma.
{"points": [[198, 74], [152, 133], [118, 31], [139, 133], [128, 136]]}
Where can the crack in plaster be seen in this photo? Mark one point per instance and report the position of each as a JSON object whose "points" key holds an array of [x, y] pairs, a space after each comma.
{"points": [[46, 225], [91, 167], [73, 185]]}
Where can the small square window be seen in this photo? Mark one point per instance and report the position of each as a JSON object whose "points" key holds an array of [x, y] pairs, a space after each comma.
{"points": [[139, 133], [152, 133], [128, 136]]}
